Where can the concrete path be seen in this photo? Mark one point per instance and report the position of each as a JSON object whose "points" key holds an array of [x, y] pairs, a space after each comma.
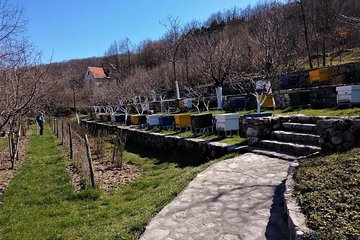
{"points": [[239, 198]]}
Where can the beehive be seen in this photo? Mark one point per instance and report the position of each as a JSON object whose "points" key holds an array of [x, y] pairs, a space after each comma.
{"points": [[319, 75], [152, 120], [93, 115], [227, 122], [269, 101], [166, 120], [299, 98], [119, 118], [181, 104], [105, 117], [201, 120], [237, 103], [182, 120], [134, 119]]}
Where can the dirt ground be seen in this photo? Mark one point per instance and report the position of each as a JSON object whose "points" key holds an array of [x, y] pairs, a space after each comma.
{"points": [[107, 175], [6, 174], [110, 177]]}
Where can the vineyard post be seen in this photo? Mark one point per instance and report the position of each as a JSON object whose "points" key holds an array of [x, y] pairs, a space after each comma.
{"points": [[57, 128], [92, 178], [70, 142], [62, 132]]}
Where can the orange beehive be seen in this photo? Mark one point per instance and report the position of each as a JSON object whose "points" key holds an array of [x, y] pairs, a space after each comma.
{"points": [[182, 120], [134, 119]]}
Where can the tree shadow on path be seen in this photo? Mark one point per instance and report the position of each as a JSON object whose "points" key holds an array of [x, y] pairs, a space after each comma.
{"points": [[277, 228]]}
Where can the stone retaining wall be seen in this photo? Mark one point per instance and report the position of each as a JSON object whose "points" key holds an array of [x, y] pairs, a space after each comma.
{"points": [[196, 150], [296, 220], [339, 134]]}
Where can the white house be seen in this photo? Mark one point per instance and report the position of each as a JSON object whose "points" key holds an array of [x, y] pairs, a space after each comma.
{"points": [[96, 76]]}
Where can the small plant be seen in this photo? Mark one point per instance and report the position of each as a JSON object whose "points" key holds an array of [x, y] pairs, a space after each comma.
{"points": [[118, 149], [100, 145]]}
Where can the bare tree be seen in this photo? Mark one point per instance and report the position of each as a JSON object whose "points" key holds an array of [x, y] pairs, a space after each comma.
{"points": [[174, 39], [118, 60], [216, 56]]}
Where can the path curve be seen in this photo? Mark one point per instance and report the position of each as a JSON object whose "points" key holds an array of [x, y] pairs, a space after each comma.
{"points": [[238, 198]]}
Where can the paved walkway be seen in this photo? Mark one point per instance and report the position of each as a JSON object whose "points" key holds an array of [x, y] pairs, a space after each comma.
{"points": [[239, 198]]}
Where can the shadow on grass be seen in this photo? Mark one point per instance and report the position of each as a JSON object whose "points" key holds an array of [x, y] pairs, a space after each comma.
{"points": [[181, 158]]}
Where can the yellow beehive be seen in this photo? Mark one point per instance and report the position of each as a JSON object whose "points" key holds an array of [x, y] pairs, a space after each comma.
{"points": [[93, 115], [269, 101], [319, 75], [182, 120], [105, 118], [134, 119]]}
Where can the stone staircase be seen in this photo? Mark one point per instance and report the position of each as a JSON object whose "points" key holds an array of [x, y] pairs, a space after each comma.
{"points": [[295, 139]]}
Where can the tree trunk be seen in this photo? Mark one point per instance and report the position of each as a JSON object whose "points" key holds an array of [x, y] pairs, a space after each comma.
{"points": [[301, 3], [324, 50], [74, 100], [218, 90]]}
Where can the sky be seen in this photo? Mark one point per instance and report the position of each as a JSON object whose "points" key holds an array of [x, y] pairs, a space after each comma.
{"points": [[74, 29]]}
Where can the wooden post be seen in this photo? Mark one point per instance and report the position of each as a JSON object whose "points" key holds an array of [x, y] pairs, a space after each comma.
{"points": [[11, 143], [16, 149], [57, 128], [70, 142], [62, 132], [92, 177]]}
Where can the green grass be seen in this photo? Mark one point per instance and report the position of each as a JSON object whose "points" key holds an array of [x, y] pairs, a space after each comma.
{"points": [[328, 190], [3, 143], [308, 111], [40, 204], [348, 56]]}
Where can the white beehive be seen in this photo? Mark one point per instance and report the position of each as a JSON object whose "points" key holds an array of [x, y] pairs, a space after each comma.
{"points": [[348, 94], [188, 103], [227, 122]]}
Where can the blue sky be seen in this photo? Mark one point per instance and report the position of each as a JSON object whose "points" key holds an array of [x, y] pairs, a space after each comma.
{"points": [[72, 29]]}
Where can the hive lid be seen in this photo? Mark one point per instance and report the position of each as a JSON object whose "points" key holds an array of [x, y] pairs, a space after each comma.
{"points": [[348, 87]]}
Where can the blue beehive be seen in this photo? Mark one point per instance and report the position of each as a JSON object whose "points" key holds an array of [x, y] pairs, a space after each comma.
{"points": [[237, 103], [289, 81], [166, 121]]}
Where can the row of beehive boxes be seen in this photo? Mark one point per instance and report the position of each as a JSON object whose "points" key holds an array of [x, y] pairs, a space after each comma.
{"points": [[345, 94], [317, 75], [222, 122]]}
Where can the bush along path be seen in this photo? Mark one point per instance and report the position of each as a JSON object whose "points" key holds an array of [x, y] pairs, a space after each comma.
{"points": [[40, 202]]}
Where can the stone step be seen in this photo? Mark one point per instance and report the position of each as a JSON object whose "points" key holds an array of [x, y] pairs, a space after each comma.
{"points": [[290, 148], [305, 119], [300, 127], [266, 152], [286, 136]]}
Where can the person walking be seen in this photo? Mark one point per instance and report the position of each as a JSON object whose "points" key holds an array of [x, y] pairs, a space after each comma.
{"points": [[40, 120]]}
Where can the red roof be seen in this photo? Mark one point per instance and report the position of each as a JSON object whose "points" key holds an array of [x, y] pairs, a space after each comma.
{"points": [[97, 72]]}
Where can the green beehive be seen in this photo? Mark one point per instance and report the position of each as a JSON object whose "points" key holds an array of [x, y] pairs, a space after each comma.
{"points": [[201, 120], [300, 98], [357, 69]]}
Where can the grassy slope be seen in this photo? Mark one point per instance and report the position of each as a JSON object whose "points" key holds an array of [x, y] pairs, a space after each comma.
{"points": [[40, 204], [328, 189]]}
